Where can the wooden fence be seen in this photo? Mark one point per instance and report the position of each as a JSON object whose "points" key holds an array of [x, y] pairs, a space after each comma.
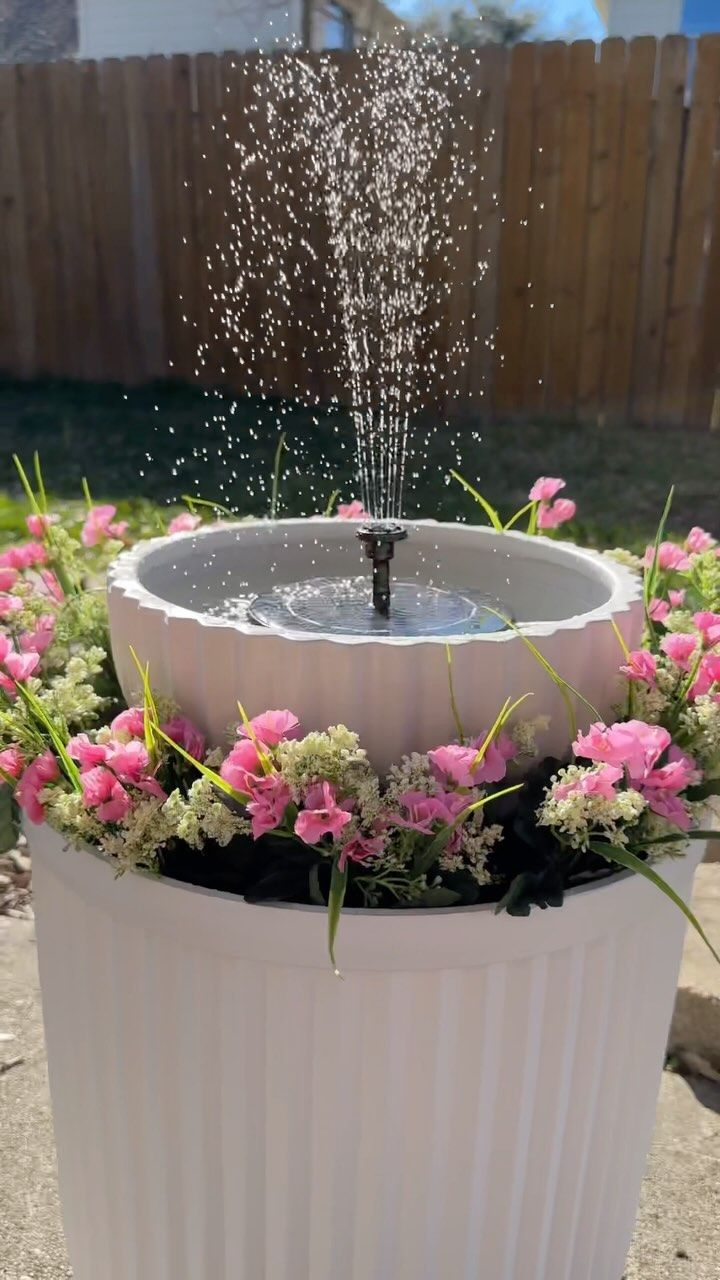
{"points": [[597, 208]]}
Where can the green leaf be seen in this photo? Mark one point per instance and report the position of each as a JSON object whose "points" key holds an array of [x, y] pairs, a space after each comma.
{"points": [[314, 889], [42, 718], [625, 858], [42, 496], [8, 823], [151, 721], [501, 719], [490, 512], [206, 772], [532, 889], [651, 573], [277, 469], [331, 502], [336, 898], [519, 515], [205, 502], [438, 896], [453, 702], [26, 485]]}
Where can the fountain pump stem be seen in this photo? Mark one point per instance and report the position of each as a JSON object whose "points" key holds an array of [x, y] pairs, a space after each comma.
{"points": [[379, 538]]}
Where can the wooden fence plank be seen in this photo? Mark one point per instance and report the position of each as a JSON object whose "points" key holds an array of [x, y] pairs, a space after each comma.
{"points": [[665, 160], [514, 262], [491, 115], [571, 227], [17, 330], [117, 216], [698, 184], [703, 403], [626, 249], [602, 216], [547, 159], [41, 256], [185, 337]]}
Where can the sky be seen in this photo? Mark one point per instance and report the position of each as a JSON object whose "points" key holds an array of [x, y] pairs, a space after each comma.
{"points": [[578, 17]]}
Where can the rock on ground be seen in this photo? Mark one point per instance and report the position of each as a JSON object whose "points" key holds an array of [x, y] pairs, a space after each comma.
{"points": [[678, 1229]]}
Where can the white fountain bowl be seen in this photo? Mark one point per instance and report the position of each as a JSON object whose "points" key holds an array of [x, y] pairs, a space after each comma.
{"points": [[392, 690]]}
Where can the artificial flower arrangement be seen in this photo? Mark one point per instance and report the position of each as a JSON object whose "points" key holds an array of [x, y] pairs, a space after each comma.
{"points": [[303, 817]]}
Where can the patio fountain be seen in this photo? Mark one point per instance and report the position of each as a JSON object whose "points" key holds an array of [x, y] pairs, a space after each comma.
{"points": [[476, 1098]]}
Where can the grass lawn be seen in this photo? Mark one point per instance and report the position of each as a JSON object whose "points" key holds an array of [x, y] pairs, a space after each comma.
{"points": [[618, 476]]}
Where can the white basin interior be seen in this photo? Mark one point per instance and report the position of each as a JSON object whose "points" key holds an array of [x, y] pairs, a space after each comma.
{"points": [[540, 580], [165, 595]]}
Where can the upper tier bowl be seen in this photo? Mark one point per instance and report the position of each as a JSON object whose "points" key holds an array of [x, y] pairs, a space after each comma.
{"points": [[166, 597]]}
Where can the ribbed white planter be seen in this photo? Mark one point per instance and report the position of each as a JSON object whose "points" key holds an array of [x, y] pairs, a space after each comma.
{"points": [[473, 1102], [393, 692]]}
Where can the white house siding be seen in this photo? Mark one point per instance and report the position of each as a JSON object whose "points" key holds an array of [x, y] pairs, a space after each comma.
{"points": [[122, 28], [630, 18]]}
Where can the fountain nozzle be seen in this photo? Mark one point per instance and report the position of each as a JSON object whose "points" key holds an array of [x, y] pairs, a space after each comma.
{"points": [[379, 538]]}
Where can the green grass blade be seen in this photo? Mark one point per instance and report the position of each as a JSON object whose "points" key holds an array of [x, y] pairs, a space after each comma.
{"points": [[205, 502], [151, 720], [434, 850], [453, 702], [86, 493], [519, 515], [336, 898], [651, 573], [277, 469], [501, 719], [26, 485], [331, 502], [490, 512], [625, 858], [206, 772], [41, 716], [43, 502]]}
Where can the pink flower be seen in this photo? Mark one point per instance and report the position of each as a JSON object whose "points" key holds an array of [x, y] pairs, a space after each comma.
{"points": [[360, 849], [631, 743], [681, 648], [184, 523], [270, 797], [352, 511], [8, 578], [242, 767], [36, 777], [129, 761], [424, 812], [38, 525], [545, 489], [12, 761], [103, 792], [709, 625], [658, 610], [272, 727], [671, 807], [23, 556], [455, 764], [707, 676], [128, 724], [699, 540], [42, 637], [88, 754], [679, 772], [321, 816], [670, 556], [99, 526], [642, 666], [183, 731], [52, 586], [20, 666], [551, 516], [9, 605], [601, 782], [677, 598]]}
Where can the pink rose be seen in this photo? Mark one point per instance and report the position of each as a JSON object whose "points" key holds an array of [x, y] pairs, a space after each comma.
{"points": [[28, 793], [12, 761], [272, 727], [52, 586], [677, 598], [559, 512], [709, 625], [38, 525], [242, 768], [670, 557], [630, 743], [425, 812], [352, 511], [601, 782], [20, 666], [641, 666], [99, 526], [360, 849], [129, 761], [9, 605], [321, 815], [708, 675], [103, 792], [681, 648], [8, 578], [183, 732], [88, 754], [184, 523], [270, 797], [658, 610], [699, 540], [42, 637], [545, 489], [128, 724]]}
